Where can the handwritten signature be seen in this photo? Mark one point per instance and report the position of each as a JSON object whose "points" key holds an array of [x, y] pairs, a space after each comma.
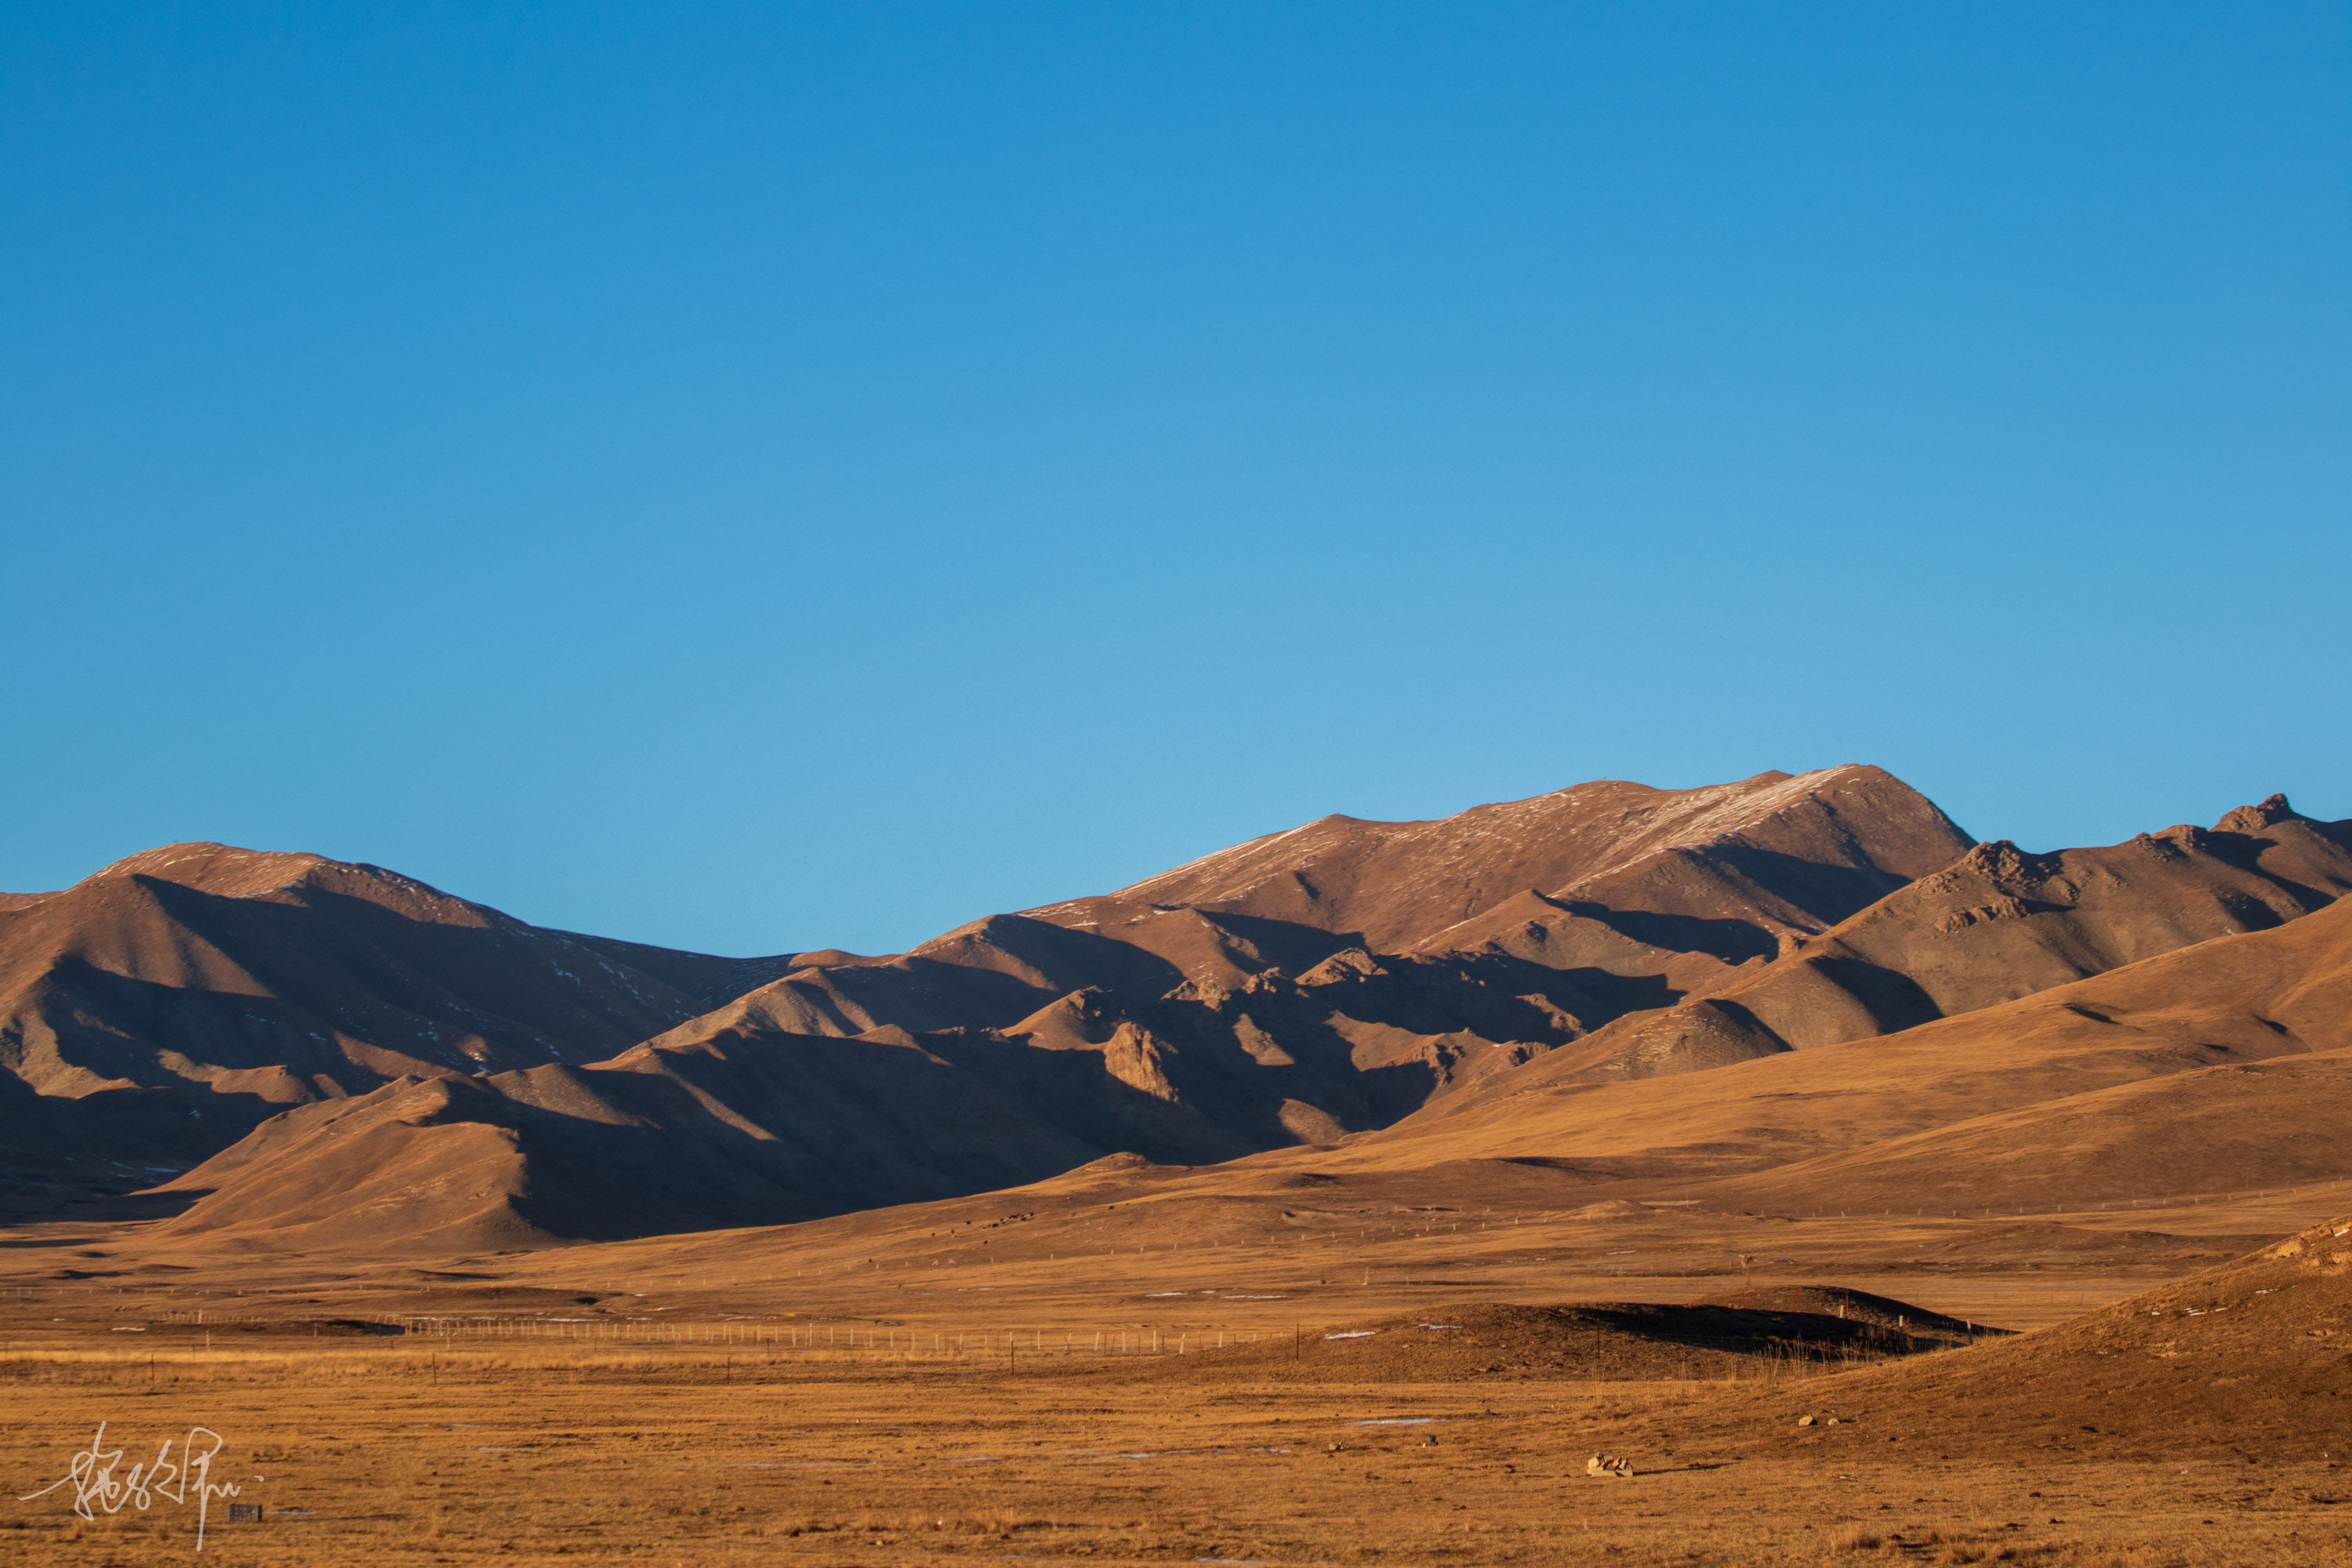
{"points": [[96, 1486]]}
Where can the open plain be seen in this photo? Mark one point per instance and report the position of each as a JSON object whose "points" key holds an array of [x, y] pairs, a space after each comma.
{"points": [[1167, 1396]]}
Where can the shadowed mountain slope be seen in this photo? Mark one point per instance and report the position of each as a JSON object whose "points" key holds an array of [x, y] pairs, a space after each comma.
{"points": [[162, 1007], [1776, 851], [1260, 969], [754, 1125], [2228, 1061], [1190, 1034], [1995, 925], [2223, 1064], [2214, 1069], [1265, 1018], [1020, 1046], [725, 1130]]}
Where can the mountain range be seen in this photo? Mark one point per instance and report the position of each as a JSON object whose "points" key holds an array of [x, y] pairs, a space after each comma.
{"points": [[294, 1052]]}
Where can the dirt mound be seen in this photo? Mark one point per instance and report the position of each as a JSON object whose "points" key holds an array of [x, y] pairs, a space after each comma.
{"points": [[2253, 1359], [1850, 1305]]}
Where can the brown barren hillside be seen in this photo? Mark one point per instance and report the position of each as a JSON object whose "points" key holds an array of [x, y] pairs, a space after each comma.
{"points": [[1207, 1036], [2219, 1061], [1774, 851], [2212, 1072], [997, 1053], [2222, 1065], [1995, 925], [156, 1010], [669, 1140], [1271, 1020], [1602, 897]]}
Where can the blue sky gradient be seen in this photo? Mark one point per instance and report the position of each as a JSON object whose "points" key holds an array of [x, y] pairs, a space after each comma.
{"points": [[764, 477]]}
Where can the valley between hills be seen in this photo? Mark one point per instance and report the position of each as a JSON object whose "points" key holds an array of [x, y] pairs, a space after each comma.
{"points": [[1618, 1119]]}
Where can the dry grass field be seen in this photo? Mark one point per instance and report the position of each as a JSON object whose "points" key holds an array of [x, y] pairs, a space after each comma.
{"points": [[863, 1391], [375, 1453]]}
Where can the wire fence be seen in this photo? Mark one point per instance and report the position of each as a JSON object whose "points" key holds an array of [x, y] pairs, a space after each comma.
{"points": [[756, 1339], [843, 1341]]}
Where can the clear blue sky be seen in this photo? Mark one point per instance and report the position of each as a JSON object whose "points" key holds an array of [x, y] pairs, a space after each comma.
{"points": [[760, 477]]}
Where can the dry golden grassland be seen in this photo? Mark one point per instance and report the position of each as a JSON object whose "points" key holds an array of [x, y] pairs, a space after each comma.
{"points": [[367, 1452], [696, 1400]]}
